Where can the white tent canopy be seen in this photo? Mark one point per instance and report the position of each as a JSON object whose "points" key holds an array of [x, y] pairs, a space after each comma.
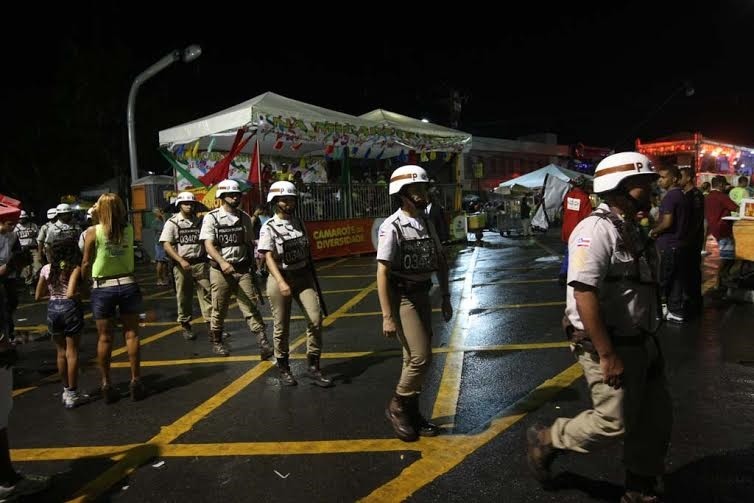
{"points": [[406, 123], [289, 127], [537, 178]]}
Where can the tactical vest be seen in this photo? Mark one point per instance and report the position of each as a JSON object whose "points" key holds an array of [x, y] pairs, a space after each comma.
{"points": [[416, 256], [643, 270], [295, 250]]}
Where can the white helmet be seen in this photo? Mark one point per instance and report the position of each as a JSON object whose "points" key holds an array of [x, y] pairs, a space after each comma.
{"points": [[52, 213], [23, 214], [63, 208], [615, 168], [279, 189], [187, 197], [227, 187], [406, 175]]}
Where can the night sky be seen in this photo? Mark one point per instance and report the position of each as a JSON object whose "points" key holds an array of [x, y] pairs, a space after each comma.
{"points": [[595, 76]]}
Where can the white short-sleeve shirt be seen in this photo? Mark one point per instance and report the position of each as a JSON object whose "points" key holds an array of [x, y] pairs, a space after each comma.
{"points": [[272, 240], [388, 245]]}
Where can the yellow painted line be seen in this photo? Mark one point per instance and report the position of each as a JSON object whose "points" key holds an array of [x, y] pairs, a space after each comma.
{"points": [[452, 450], [547, 248], [347, 290], [519, 306], [31, 328], [61, 453], [346, 355], [340, 276], [444, 410], [159, 294], [21, 391], [518, 282], [137, 457], [291, 448], [332, 264]]}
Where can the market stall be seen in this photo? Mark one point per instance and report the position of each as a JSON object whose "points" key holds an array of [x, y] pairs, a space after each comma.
{"points": [[273, 137]]}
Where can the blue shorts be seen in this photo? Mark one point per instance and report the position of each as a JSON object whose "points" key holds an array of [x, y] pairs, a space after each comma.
{"points": [[127, 298], [727, 248], [64, 317], [159, 253]]}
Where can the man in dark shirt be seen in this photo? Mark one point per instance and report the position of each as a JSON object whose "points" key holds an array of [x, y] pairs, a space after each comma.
{"points": [[671, 234], [694, 241], [717, 206], [525, 217]]}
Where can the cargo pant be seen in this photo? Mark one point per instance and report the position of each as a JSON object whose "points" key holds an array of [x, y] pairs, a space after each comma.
{"points": [[222, 286], [414, 322], [305, 293], [640, 412], [184, 291]]}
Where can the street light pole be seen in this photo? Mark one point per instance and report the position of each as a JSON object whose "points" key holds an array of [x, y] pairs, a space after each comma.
{"points": [[189, 54]]}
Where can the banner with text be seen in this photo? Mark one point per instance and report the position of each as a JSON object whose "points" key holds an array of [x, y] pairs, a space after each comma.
{"points": [[341, 238]]}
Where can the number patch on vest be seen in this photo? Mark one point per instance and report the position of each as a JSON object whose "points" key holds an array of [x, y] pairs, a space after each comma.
{"points": [[230, 236], [295, 250], [418, 256], [188, 236]]}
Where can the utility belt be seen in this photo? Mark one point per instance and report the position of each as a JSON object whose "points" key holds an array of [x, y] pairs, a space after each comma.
{"points": [[241, 267], [197, 260], [581, 340], [407, 286], [113, 281]]}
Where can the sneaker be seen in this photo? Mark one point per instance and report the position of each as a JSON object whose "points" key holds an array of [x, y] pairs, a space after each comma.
{"points": [[664, 311], [186, 332], [671, 316], [137, 390], [64, 395], [24, 486], [73, 398]]}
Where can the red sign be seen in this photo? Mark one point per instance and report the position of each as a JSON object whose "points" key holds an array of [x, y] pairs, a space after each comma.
{"points": [[341, 238]]}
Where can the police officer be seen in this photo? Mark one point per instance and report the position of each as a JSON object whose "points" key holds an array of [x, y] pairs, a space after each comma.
{"points": [[62, 229], [284, 243], [612, 314], [180, 240], [52, 214], [408, 252], [227, 235], [27, 236]]}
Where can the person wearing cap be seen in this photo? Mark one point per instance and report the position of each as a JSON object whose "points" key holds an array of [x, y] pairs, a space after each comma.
{"points": [[408, 252], [109, 262], [576, 207], [52, 215], [91, 220], [27, 233], [612, 314], [180, 240], [10, 258], [62, 229], [228, 236], [285, 245]]}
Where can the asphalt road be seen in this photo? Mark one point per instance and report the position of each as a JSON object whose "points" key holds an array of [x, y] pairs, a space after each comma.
{"points": [[216, 428]]}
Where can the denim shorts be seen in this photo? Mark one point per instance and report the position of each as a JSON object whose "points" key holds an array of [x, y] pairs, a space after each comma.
{"points": [[127, 298], [64, 317], [159, 253]]}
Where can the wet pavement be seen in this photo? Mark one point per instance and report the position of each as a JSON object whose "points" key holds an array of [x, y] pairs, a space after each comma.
{"points": [[223, 428]]}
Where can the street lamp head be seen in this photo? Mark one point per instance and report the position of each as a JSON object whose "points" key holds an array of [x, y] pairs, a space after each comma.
{"points": [[688, 89], [191, 52]]}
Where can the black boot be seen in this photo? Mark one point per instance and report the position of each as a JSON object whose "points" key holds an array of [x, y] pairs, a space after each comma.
{"points": [[286, 377], [423, 427], [265, 350], [397, 413], [315, 374], [218, 346]]}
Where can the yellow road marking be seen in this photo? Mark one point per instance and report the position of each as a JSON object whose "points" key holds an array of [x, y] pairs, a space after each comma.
{"points": [[138, 456], [61, 453], [347, 290], [21, 391], [346, 355], [547, 248], [454, 449], [333, 264], [518, 306], [339, 276], [446, 402], [518, 281]]}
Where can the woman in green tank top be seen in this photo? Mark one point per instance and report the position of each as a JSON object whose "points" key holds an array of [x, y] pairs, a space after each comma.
{"points": [[109, 262]]}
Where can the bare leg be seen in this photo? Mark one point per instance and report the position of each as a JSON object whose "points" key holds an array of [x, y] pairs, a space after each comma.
{"points": [[130, 332], [72, 359], [61, 359], [104, 348]]}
